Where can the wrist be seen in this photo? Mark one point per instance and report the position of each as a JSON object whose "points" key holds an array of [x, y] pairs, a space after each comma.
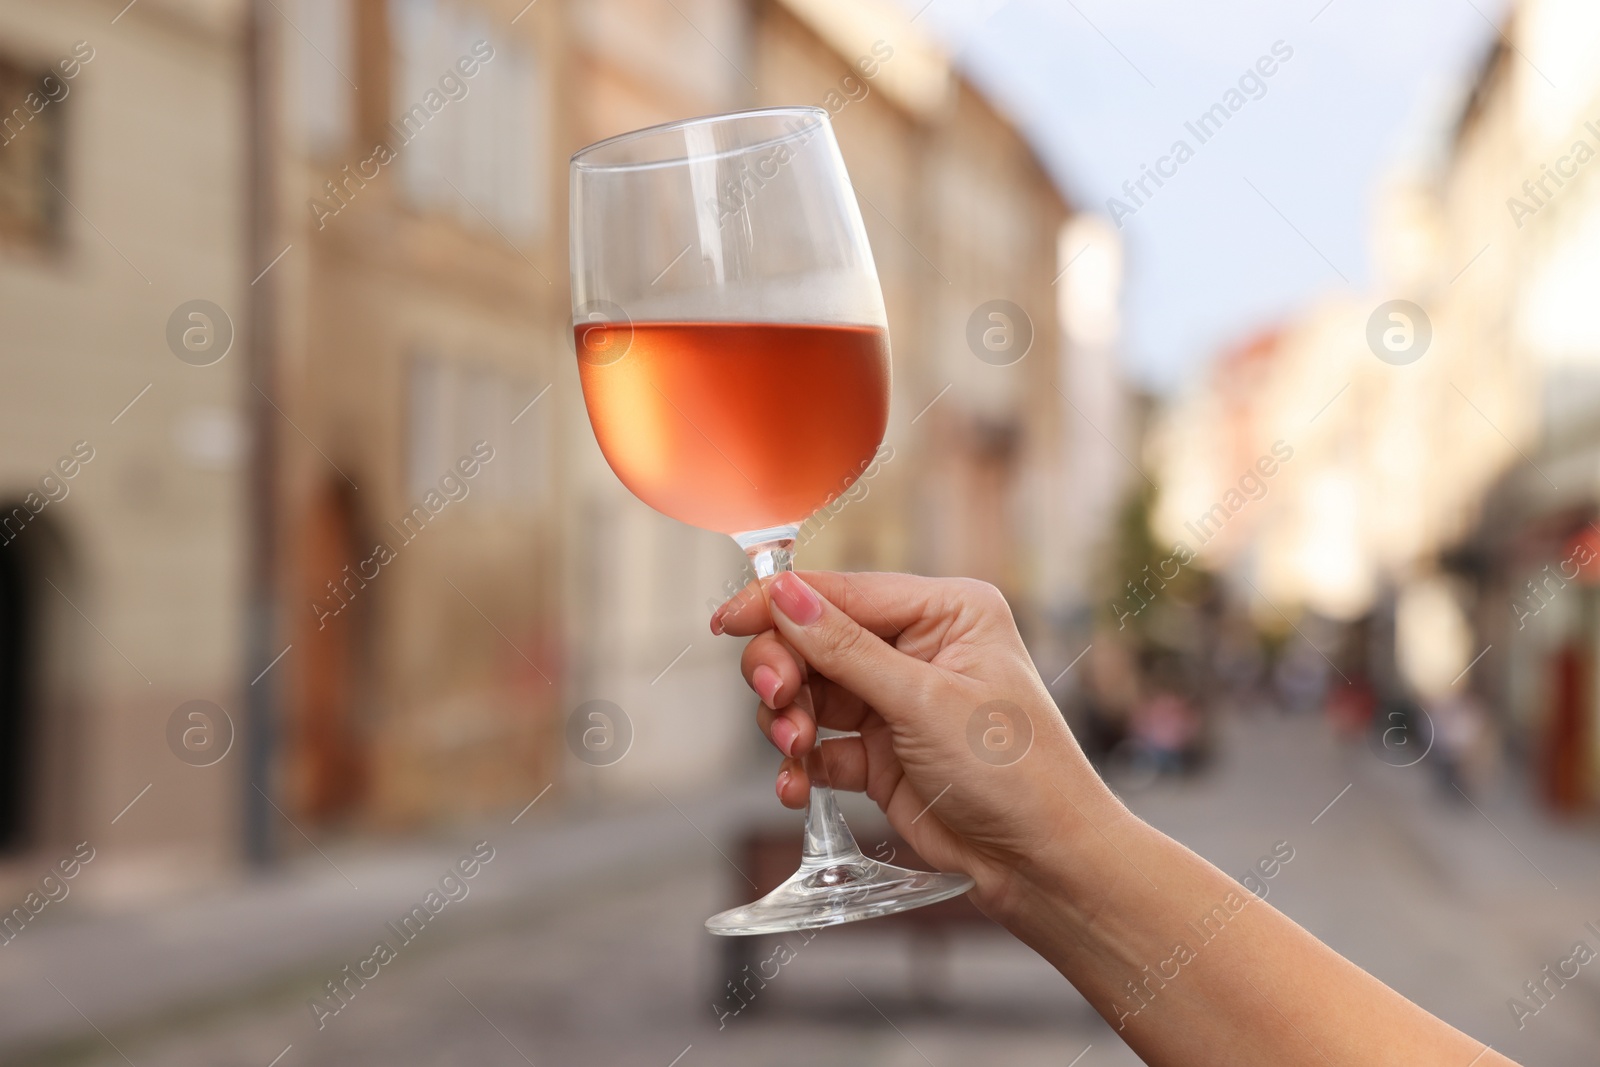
{"points": [[1077, 861]]}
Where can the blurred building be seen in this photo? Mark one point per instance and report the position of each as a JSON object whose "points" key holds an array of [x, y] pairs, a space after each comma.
{"points": [[1529, 135], [993, 472], [977, 476], [422, 305], [1446, 487], [373, 527], [122, 189]]}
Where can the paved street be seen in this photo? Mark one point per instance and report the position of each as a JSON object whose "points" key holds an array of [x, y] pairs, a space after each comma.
{"points": [[1456, 906]]}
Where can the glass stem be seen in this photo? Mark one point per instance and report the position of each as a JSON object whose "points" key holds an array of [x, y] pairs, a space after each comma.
{"points": [[828, 841]]}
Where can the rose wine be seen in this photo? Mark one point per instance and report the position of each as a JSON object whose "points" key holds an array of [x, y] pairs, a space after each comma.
{"points": [[736, 426]]}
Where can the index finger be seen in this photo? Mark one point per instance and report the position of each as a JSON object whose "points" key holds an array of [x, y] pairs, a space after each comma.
{"points": [[883, 603]]}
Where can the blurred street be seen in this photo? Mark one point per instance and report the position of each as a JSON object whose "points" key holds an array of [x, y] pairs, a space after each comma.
{"points": [[583, 944], [354, 709]]}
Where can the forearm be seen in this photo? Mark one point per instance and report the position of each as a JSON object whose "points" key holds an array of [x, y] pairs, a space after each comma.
{"points": [[1191, 968]]}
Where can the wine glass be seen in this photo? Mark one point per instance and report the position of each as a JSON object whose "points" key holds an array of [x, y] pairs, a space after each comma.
{"points": [[734, 354]]}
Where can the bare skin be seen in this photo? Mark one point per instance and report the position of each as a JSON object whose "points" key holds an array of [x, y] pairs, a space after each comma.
{"points": [[1188, 966]]}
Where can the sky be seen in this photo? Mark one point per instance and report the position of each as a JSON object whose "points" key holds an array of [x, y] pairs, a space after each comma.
{"points": [[1276, 207]]}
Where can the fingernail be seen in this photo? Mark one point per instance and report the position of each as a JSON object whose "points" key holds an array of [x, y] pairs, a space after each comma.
{"points": [[716, 620], [796, 599], [783, 780], [766, 683], [784, 733]]}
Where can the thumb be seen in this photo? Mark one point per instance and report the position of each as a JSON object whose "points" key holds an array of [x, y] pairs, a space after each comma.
{"points": [[842, 649]]}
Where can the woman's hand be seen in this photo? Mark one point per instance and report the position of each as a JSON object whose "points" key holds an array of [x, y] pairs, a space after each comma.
{"points": [[959, 741], [961, 746]]}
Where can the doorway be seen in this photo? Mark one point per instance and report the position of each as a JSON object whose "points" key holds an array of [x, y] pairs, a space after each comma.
{"points": [[328, 753], [41, 749], [18, 707]]}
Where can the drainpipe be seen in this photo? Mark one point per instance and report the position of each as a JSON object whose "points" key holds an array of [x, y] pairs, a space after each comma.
{"points": [[262, 629]]}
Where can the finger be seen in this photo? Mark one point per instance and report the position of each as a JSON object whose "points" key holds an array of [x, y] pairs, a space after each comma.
{"points": [[830, 704], [768, 660], [843, 766], [794, 786], [834, 706], [839, 647], [792, 731], [772, 669], [840, 762], [884, 604], [750, 605]]}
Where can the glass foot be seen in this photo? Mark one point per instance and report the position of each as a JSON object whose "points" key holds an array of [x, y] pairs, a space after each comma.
{"points": [[839, 892]]}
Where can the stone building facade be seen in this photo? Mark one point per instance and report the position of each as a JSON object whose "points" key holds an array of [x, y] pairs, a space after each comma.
{"points": [[450, 568]]}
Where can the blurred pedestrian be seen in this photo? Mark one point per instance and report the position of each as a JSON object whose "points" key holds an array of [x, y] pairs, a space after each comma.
{"points": [[1300, 679], [1351, 707], [1167, 727], [1109, 695], [1459, 727]]}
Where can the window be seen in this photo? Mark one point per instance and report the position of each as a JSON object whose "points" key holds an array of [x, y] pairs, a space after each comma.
{"points": [[528, 442], [30, 154], [478, 417], [428, 397], [325, 58], [519, 170], [455, 405], [471, 147]]}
